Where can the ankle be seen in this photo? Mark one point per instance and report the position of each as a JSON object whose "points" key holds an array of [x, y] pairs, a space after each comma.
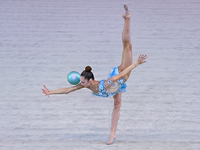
{"points": [[113, 136]]}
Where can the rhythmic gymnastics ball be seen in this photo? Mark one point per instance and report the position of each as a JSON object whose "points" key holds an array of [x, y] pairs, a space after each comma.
{"points": [[73, 77]]}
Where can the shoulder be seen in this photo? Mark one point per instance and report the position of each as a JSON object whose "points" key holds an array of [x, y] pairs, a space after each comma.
{"points": [[79, 86]]}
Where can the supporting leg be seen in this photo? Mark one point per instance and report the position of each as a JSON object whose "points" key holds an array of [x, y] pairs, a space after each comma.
{"points": [[115, 117]]}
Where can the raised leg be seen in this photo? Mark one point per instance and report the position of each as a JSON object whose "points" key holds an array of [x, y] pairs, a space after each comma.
{"points": [[115, 117], [126, 39]]}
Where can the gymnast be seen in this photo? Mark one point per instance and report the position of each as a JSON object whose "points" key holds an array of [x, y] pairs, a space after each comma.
{"points": [[115, 84]]}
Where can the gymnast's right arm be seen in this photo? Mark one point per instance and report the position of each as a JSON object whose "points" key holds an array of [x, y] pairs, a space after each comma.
{"points": [[63, 90]]}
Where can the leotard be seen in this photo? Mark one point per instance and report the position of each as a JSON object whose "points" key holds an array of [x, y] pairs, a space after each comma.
{"points": [[118, 86]]}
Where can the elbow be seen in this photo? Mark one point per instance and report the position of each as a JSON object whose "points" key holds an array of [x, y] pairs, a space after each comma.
{"points": [[66, 91]]}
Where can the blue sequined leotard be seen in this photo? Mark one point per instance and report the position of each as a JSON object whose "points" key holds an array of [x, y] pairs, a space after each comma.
{"points": [[102, 88]]}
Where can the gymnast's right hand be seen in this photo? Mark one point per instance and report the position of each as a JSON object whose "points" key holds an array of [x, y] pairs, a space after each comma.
{"points": [[46, 91]]}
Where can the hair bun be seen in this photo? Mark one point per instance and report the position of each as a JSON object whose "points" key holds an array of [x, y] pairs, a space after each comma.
{"points": [[88, 69]]}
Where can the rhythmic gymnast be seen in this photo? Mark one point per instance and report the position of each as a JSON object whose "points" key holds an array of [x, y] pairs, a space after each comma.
{"points": [[115, 84]]}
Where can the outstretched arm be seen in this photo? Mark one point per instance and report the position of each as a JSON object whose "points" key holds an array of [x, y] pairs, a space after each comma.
{"points": [[63, 90], [140, 60]]}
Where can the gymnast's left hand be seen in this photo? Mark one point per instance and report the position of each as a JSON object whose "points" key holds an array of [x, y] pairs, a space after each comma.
{"points": [[141, 59], [46, 91]]}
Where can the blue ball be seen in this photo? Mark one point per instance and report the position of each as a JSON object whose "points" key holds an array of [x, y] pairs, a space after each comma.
{"points": [[73, 77]]}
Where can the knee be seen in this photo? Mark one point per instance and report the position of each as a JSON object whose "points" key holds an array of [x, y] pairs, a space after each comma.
{"points": [[127, 45], [117, 104]]}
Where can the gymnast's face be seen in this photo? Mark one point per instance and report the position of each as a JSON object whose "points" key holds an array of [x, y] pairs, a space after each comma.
{"points": [[84, 81]]}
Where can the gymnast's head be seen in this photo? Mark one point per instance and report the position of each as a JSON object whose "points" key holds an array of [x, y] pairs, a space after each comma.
{"points": [[86, 77]]}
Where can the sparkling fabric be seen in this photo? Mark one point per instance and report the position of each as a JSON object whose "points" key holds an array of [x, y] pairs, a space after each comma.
{"points": [[102, 88]]}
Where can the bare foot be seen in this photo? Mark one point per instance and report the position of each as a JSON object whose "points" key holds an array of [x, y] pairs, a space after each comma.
{"points": [[127, 13]]}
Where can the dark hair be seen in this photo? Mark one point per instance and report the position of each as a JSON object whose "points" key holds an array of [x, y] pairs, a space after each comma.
{"points": [[87, 73]]}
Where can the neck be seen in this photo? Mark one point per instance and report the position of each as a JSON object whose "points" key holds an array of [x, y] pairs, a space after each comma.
{"points": [[91, 84], [94, 85]]}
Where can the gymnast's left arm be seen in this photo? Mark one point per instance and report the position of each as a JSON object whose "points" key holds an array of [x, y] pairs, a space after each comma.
{"points": [[140, 60]]}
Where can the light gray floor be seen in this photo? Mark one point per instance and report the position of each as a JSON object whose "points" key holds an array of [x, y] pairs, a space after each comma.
{"points": [[42, 41]]}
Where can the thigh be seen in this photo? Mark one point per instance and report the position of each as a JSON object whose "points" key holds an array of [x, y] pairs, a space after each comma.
{"points": [[127, 59]]}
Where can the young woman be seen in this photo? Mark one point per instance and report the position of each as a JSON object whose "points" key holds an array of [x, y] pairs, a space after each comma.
{"points": [[115, 84]]}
